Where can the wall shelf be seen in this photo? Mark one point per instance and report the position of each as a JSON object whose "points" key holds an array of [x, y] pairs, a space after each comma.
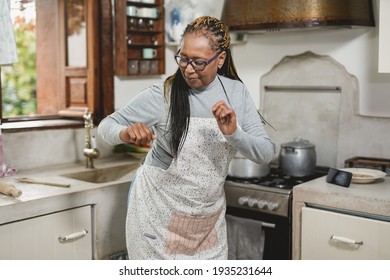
{"points": [[139, 37]]}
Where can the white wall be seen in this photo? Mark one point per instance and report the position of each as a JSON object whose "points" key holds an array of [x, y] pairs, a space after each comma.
{"points": [[356, 48]]}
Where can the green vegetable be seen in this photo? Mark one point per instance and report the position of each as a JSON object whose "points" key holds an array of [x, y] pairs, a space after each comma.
{"points": [[130, 148]]}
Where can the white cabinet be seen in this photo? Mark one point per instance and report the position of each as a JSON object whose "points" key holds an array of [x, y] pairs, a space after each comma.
{"points": [[331, 235], [384, 37], [63, 235]]}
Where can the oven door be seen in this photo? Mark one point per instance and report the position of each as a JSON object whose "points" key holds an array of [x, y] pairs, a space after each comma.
{"points": [[277, 245]]}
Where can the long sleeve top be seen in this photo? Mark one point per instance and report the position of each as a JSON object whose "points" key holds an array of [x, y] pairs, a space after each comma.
{"points": [[151, 107]]}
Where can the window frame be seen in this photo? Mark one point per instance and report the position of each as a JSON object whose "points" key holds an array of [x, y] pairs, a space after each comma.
{"points": [[97, 87]]}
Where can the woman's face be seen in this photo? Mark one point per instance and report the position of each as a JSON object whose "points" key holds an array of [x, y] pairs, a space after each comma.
{"points": [[196, 46]]}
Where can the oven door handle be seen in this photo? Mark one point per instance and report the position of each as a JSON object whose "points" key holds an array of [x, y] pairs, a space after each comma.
{"points": [[267, 225]]}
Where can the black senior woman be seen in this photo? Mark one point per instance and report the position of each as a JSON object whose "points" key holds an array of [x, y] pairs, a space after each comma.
{"points": [[197, 119]]}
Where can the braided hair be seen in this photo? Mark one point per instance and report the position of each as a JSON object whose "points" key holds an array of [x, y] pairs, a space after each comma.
{"points": [[176, 90]]}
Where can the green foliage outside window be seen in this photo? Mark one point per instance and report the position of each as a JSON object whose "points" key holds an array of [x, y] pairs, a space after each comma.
{"points": [[19, 80]]}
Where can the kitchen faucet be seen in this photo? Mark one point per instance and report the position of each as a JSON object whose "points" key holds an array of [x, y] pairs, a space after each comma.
{"points": [[90, 150]]}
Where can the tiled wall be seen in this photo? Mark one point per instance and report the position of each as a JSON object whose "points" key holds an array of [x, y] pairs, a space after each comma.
{"points": [[40, 148], [328, 118]]}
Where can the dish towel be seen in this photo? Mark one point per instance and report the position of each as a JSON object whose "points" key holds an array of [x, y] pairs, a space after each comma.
{"points": [[245, 238], [8, 51], [4, 170], [10, 190]]}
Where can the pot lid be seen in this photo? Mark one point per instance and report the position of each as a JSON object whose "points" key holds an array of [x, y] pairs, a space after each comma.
{"points": [[298, 143]]}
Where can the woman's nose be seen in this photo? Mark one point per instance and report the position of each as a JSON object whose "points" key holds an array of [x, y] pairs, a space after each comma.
{"points": [[189, 68]]}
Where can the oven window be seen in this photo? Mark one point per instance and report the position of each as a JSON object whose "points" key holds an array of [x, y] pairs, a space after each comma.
{"points": [[278, 240]]}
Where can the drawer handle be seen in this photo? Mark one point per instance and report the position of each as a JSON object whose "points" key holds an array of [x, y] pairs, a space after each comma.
{"points": [[346, 240], [73, 236]]}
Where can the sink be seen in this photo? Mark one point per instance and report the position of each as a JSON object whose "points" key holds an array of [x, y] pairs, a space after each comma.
{"points": [[102, 175]]}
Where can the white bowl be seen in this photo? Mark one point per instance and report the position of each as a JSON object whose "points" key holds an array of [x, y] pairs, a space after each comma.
{"points": [[365, 175]]}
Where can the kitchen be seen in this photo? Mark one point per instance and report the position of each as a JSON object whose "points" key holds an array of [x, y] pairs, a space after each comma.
{"points": [[254, 58]]}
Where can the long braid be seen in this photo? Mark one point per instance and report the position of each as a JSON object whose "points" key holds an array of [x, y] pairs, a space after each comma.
{"points": [[176, 90], [179, 109]]}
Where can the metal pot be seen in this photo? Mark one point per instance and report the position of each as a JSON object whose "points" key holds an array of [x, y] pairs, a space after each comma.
{"points": [[241, 167], [297, 158]]}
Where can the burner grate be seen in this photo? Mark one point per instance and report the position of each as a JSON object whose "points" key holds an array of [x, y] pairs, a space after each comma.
{"points": [[276, 179]]}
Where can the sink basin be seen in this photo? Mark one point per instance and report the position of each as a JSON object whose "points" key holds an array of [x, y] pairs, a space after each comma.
{"points": [[102, 175]]}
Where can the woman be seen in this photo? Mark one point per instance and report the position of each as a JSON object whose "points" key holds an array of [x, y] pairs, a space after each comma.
{"points": [[198, 119]]}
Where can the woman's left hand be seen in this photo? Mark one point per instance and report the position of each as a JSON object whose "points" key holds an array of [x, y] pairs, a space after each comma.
{"points": [[226, 118]]}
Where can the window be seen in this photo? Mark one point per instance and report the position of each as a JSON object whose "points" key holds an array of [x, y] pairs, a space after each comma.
{"points": [[19, 81], [68, 79]]}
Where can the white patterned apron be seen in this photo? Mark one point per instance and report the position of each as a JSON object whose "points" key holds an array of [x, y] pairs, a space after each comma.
{"points": [[179, 213]]}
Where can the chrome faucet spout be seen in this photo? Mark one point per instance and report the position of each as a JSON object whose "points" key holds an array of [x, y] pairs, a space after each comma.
{"points": [[90, 150]]}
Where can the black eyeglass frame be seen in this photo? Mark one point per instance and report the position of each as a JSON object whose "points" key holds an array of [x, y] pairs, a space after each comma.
{"points": [[188, 61]]}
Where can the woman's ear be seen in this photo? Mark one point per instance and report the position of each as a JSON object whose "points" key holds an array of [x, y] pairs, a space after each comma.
{"points": [[221, 59]]}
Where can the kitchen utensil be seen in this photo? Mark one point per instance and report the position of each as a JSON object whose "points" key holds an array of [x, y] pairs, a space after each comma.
{"points": [[149, 53], [382, 164], [144, 66], [132, 11], [133, 66], [297, 158], [241, 167], [153, 66], [364, 175], [10, 190], [32, 181]]}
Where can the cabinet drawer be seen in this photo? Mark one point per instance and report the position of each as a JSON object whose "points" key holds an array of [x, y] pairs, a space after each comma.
{"points": [[64, 235], [331, 235]]}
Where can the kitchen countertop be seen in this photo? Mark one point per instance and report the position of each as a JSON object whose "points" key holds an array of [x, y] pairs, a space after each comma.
{"points": [[109, 199], [38, 197], [368, 200]]}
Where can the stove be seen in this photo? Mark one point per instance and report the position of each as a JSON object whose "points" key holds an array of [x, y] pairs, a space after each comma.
{"points": [[268, 200], [276, 179]]}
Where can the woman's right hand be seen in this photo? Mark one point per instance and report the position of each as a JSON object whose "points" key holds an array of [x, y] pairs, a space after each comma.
{"points": [[138, 134]]}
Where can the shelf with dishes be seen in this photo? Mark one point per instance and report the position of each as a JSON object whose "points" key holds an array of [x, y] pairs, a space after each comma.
{"points": [[146, 38], [145, 60], [145, 53], [139, 37]]}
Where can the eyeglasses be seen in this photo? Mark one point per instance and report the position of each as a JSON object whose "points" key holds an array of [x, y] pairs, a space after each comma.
{"points": [[197, 64]]}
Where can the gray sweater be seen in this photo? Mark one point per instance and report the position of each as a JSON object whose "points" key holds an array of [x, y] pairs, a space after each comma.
{"points": [[150, 107]]}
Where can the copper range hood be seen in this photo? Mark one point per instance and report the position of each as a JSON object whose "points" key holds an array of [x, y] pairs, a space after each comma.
{"points": [[278, 15]]}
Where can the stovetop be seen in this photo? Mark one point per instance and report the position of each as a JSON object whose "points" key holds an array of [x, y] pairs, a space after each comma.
{"points": [[276, 179], [270, 194]]}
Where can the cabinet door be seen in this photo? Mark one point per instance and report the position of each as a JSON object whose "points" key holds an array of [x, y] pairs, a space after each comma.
{"points": [[38, 238], [330, 235]]}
